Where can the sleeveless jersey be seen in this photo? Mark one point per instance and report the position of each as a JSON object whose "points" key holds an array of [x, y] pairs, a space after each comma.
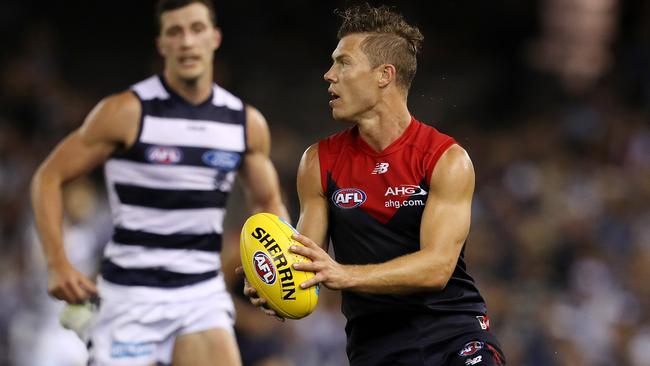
{"points": [[168, 191], [376, 201]]}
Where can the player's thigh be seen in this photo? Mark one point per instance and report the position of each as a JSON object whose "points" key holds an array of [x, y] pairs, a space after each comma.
{"points": [[213, 347]]}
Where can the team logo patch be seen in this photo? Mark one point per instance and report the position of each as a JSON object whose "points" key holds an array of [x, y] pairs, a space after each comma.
{"points": [[264, 267], [349, 197], [224, 160], [471, 348], [164, 154], [484, 322]]}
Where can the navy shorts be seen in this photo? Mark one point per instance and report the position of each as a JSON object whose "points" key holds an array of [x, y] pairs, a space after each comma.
{"points": [[422, 339]]}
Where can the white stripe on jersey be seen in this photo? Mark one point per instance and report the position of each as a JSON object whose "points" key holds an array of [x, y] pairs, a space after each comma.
{"points": [[223, 98], [194, 133], [161, 176], [165, 222], [175, 260], [150, 88]]}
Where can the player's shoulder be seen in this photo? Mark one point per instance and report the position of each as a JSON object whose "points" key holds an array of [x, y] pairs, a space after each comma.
{"points": [[428, 136], [221, 97]]}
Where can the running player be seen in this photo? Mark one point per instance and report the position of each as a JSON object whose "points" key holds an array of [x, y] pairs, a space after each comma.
{"points": [[394, 196], [172, 146]]}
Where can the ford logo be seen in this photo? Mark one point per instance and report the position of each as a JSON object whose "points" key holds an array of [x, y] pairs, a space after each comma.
{"points": [[221, 159]]}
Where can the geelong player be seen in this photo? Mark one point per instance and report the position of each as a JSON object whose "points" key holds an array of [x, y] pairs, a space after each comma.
{"points": [[394, 196], [172, 146]]}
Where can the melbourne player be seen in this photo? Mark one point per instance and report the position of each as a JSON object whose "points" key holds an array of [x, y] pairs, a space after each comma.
{"points": [[172, 146], [394, 196]]}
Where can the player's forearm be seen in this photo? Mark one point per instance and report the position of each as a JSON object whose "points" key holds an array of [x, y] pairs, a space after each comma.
{"points": [[411, 273], [271, 205], [48, 212]]}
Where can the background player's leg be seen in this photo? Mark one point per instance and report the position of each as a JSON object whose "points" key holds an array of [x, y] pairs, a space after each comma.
{"points": [[213, 347]]}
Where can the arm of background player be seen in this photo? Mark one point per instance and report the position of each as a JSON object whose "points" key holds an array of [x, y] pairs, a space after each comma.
{"points": [[258, 173], [111, 123], [313, 205], [444, 228]]}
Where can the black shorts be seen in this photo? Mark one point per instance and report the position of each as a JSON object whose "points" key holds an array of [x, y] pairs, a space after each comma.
{"points": [[422, 339]]}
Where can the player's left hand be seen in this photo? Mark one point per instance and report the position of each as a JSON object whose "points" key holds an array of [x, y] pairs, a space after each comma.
{"points": [[327, 271]]}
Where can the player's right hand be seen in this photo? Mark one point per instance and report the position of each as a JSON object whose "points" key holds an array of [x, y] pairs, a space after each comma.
{"points": [[254, 298], [67, 284]]}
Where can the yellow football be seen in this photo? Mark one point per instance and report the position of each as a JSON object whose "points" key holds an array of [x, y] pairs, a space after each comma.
{"points": [[268, 265]]}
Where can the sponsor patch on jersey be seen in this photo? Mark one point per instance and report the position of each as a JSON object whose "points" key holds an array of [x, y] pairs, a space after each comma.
{"points": [[474, 361], [164, 154], [131, 349], [264, 267], [224, 160], [470, 348], [380, 168], [406, 190], [349, 197]]}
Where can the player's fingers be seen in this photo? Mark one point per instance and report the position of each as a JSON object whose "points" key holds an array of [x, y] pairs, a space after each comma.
{"points": [[239, 270], [312, 281], [304, 251], [304, 240], [250, 291], [89, 286], [258, 301], [307, 266], [77, 293], [57, 293]]}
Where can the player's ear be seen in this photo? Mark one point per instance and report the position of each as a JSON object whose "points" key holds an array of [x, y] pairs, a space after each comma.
{"points": [[216, 36], [387, 74], [159, 47]]}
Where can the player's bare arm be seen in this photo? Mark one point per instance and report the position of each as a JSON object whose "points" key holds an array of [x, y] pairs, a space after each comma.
{"points": [[260, 182], [110, 125], [313, 204], [258, 173], [444, 228]]}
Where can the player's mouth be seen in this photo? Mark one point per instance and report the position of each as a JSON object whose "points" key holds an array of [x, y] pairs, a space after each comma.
{"points": [[189, 60], [333, 97]]}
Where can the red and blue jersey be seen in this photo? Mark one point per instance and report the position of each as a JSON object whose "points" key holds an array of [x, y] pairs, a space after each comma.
{"points": [[376, 201]]}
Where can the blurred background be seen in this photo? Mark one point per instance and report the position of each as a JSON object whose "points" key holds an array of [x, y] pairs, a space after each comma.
{"points": [[550, 97]]}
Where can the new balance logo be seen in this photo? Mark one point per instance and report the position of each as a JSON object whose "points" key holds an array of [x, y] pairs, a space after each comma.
{"points": [[380, 168]]}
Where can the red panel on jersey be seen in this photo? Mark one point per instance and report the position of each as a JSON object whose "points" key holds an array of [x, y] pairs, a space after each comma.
{"points": [[380, 183]]}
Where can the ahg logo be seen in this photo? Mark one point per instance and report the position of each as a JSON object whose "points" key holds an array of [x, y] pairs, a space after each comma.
{"points": [[406, 190], [349, 197]]}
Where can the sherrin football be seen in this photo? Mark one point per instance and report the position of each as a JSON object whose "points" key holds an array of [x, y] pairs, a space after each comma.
{"points": [[268, 265]]}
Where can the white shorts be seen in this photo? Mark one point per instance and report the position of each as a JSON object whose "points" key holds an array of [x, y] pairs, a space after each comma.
{"points": [[138, 326]]}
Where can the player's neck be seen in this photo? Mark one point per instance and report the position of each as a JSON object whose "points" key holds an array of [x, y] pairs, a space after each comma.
{"points": [[195, 91], [384, 126]]}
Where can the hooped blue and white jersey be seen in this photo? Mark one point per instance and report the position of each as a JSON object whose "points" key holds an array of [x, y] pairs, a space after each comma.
{"points": [[168, 192]]}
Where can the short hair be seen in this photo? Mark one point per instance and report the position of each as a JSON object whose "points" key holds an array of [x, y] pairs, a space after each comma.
{"points": [[391, 39], [167, 5]]}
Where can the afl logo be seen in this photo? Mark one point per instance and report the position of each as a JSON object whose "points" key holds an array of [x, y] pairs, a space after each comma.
{"points": [[164, 154], [471, 348], [221, 159], [264, 267], [349, 197]]}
